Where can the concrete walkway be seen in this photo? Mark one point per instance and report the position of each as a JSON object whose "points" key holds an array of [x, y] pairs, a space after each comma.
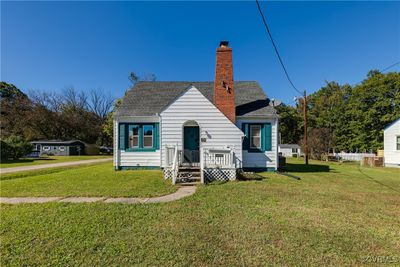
{"points": [[51, 165], [182, 192]]}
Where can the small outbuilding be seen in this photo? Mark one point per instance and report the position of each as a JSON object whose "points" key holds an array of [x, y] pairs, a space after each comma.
{"points": [[289, 150], [391, 144], [59, 147]]}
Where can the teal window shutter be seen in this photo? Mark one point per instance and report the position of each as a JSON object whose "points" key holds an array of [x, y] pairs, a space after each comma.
{"points": [[267, 138], [122, 140], [245, 129], [141, 136], [157, 136]]}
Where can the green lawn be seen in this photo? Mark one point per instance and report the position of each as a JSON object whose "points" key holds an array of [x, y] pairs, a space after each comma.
{"points": [[334, 215], [46, 160], [90, 180]]}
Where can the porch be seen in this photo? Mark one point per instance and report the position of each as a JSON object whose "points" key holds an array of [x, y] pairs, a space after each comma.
{"points": [[199, 166]]}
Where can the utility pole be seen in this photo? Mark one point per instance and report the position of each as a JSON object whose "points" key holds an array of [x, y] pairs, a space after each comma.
{"points": [[305, 127]]}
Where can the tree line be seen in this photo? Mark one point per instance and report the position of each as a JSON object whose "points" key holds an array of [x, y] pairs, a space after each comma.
{"points": [[341, 117], [345, 117], [66, 115], [69, 114]]}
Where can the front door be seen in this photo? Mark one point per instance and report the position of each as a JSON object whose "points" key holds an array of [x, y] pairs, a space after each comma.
{"points": [[191, 151]]}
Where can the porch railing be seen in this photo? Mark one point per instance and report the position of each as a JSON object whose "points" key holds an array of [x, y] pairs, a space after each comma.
{"points": [[209, 158], [219, 158]]}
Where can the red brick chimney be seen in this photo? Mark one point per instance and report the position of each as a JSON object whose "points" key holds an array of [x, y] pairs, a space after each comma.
{"points": [[224, 94]]}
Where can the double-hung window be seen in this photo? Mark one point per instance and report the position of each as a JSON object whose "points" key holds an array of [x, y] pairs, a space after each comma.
{"points": [[255, 136], [147, 136], [258, 137], [398, 142], [138, 136], [134, 137]]}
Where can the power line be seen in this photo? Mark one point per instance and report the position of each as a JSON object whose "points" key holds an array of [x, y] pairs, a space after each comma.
{"points": [[391, 66], [381, 71], [275, 47]]}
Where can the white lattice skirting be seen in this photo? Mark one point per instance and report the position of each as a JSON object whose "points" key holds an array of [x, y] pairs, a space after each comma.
{"points": [[167, 173], [210, 174], [215, 174]]}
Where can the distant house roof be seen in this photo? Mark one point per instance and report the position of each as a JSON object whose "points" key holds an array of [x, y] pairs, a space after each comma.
{"points": [[150, 98], [390, 125], [58, 142], [289, 146]]}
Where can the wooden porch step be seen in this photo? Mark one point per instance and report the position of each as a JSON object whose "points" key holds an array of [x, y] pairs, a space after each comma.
{"points": [[183, 172], [189, 183], [189, 168], [193, 178]]}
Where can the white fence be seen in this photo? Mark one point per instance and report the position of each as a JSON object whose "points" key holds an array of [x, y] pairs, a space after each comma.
{"points": [[355, 156]]}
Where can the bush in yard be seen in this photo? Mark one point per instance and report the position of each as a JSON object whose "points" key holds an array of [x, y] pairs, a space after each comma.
{"points": [[4, 150], [14, 147]]}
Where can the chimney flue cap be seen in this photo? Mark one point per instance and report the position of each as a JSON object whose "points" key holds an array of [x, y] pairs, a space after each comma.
{"points": [[224, 44]]}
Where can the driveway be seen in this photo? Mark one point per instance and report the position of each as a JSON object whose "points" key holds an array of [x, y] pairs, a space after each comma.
{"points": [[51, 165]]}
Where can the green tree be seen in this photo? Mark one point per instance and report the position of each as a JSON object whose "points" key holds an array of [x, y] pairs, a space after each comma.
{"points": [[108, 128], [14, 147], [373, 104], [15, 108], [290, 124]]}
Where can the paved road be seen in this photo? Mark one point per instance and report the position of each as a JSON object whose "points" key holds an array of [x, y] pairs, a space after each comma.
{"points": [[51, 165], [182, 192]]}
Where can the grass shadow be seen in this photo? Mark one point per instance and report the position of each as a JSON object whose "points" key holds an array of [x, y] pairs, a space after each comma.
{"points": [[380, 183], [250, 176], [25, 160], [289, 175], [291, 167], [216, 183]]}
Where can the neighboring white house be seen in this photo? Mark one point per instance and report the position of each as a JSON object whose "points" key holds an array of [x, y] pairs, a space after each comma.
{"points": [[289, 150], [197, 131], [391, 144]]}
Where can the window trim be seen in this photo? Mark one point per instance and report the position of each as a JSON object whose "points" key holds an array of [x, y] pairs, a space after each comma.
{"points": [[397, 142], [46, 148], [251, 136], [152, 136], [140, 148], [266, 137], [131, 127]]}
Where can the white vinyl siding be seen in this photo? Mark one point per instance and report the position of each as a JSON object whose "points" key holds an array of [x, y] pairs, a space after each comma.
{"points": [[265, 159], [215, 129], [139, 159], [124, 158], [390, 137]]}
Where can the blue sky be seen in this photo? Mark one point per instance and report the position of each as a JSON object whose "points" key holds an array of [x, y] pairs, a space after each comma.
{"points": [[94, 45]]}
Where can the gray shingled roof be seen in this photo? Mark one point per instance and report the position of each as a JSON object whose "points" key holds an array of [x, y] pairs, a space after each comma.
{"points": [[150, 98]]}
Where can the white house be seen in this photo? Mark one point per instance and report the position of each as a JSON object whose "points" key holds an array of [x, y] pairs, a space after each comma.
{"points": [[391, 144], [197, 131], [289, 150]]}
